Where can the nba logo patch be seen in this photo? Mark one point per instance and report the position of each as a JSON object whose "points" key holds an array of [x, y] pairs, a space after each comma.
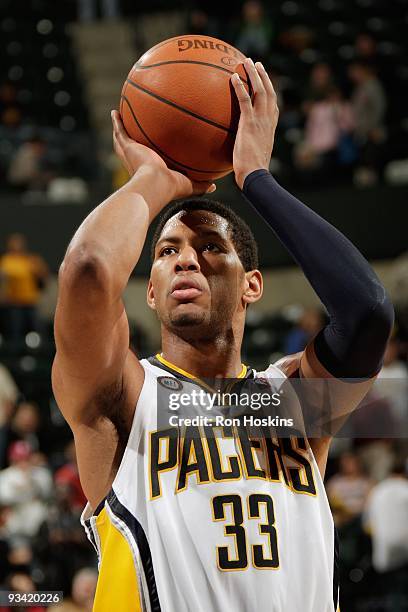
{"points": [[170, 383]]}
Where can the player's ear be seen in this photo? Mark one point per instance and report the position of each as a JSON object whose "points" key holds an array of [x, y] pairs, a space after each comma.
{"points": [[150, 296], [253, 287]]}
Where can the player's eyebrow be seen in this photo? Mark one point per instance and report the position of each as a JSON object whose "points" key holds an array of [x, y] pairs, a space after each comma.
{"points": [[170, 238], [202, 231]]}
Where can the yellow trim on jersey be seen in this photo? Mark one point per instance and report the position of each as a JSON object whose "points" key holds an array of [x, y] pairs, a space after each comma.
{"points": [[164, 361], [118, 587]]}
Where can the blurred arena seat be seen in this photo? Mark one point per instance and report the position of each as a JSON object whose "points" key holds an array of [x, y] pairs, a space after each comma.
{"points": [[38, 60]]}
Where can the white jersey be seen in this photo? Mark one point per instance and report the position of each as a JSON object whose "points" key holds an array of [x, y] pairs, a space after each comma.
{"points": [[218, 524]]}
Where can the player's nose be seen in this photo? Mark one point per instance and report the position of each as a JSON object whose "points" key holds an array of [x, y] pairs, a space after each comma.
{"points": [[187, 260]]}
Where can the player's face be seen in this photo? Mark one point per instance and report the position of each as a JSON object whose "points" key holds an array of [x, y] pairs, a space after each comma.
{"points": [[197, 282]]}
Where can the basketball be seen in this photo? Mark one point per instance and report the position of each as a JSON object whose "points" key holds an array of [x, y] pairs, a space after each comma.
{"points": [[178, 100]]}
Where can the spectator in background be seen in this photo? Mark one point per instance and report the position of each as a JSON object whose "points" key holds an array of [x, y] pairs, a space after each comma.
{"points": [[373, 427], [350, 487], [4, 544], [61, 545], [255, 35], [24, 425], [201, 23], [392, 384], [25, 488], [386, 518], [290, 115], [68, 476], [83, 592], [399, 294], [365, 48], [20, 554], [87, 9], [369, 100], [10, 110], [329, 125], [23, 275], [320, 84], [369, 105], [310, 323], [30, 168]]}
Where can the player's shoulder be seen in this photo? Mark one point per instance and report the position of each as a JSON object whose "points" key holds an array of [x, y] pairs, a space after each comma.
{"points": [[285, 367]]}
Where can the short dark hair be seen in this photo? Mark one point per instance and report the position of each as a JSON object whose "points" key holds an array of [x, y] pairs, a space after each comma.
{"points": [[241, 235]]}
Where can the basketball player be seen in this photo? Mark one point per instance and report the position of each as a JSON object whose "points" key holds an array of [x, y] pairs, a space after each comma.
{"points": [[210, 523]]}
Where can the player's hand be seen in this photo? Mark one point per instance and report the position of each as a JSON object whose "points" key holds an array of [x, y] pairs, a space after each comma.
{"points": [[257, 123], [135, 156]]}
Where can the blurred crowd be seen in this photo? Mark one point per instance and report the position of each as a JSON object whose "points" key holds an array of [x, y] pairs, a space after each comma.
{"points": [[367, 486], [340, 89], [23, 275], [42, 544], [40, 161], [334, 115]]}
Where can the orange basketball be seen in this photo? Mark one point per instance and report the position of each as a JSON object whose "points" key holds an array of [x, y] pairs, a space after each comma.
{"points": [[178, 100]]}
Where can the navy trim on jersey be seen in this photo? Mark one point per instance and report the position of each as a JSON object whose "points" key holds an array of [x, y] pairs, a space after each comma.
{"points": [[90, 533], [99, 507], [88, 525], [143, 545]]}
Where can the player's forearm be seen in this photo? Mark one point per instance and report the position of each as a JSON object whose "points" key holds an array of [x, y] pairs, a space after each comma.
{"points": [[113, 235], [361, 315]]}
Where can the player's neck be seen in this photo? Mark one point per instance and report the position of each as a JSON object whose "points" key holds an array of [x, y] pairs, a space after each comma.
{"points": [[216, 359]]}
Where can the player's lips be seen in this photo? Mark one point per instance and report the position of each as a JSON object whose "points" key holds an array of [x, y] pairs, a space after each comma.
{"points": [[186, 290]]}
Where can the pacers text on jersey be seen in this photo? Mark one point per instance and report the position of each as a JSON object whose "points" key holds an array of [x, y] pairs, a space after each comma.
{"points": [[201, 455]]}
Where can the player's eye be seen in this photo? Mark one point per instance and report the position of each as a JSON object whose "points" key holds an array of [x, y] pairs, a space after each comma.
{"points": [[167, 251], [211, 247]]}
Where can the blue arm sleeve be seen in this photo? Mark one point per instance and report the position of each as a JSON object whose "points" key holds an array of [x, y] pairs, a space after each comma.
{"points": [[361, 315]]}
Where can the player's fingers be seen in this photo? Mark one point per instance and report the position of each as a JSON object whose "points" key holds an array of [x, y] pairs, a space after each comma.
{"points": [[119, 152], [256, 83], [118, 128], [264, 76], [271, 97], [117, 148], [244, 99]]}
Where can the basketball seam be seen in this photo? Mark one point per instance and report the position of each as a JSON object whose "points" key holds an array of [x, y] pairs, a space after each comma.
{"points": [[180, 108], [143, 67], [165, 154]]}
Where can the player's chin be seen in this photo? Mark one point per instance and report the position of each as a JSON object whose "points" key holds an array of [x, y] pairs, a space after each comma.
{"points": [[188, 314]]}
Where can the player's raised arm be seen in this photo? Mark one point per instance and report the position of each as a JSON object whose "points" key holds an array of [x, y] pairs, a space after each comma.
{"points": [[361, 315], [94, 373]]}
